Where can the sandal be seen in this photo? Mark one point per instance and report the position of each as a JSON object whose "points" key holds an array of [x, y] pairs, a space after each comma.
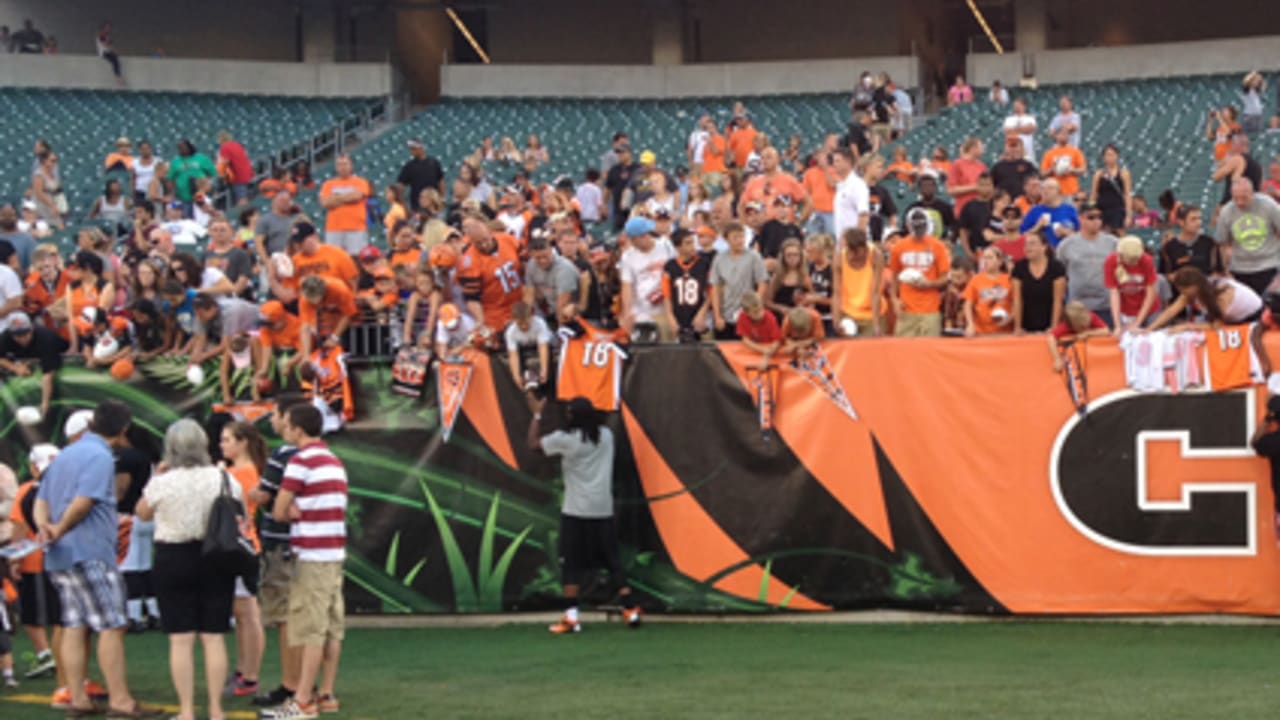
{"points": [[93, 710], [137, 712]]}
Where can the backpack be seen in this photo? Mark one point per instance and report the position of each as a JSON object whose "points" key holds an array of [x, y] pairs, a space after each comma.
{"points": [[225, 546]]}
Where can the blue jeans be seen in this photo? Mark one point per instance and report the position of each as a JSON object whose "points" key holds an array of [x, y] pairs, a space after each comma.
{"points": [[820, 223]]}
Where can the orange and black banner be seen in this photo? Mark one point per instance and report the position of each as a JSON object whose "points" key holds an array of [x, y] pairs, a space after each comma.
{"points": [[938, 474]]}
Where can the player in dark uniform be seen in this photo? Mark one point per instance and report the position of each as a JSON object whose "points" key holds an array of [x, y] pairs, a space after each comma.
{"points": [[684, 287]]}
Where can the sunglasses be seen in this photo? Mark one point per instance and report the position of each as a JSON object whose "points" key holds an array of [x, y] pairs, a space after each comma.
{"points": [[177, 269], [1093, 216]]}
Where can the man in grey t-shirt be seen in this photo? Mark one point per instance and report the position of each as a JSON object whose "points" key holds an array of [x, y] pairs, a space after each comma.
{"points": [[588, 538], [733, 273], [271, 234], [1248, 232], [550, 281], [1084, 254]]}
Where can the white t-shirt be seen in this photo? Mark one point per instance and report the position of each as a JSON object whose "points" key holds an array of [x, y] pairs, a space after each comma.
{"points": [[851, 201], [10, 287], [144, 174], [698, 144], [537, 334], [587, 470], [590, 198], [644, 271], [39, 227], [1028, 139], [184, 232], [1072, 118], [513, 223]]}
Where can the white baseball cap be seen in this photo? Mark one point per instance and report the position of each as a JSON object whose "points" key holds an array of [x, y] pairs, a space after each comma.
{"points": [[41, 455], [78, 423]]}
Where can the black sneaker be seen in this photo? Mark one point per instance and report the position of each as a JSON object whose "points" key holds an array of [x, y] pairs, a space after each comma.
{"points": [[279, 696]]}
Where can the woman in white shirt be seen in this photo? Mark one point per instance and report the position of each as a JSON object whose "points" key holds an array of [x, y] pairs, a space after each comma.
{"points": [[1216, 300], [195, 596]]}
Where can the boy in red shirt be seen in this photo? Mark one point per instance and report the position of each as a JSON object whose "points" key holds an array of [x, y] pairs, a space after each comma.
{"points": [[758, 328], [1130, 276], [1078, 323]]}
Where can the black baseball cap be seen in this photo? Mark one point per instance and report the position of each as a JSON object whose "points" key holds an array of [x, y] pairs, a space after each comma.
{"points": [[301, 231]]}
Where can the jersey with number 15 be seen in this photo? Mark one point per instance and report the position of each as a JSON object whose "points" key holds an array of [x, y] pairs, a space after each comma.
{"points": [[492, 279]]}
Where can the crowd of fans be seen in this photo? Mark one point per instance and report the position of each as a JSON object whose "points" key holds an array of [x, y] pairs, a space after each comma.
{"points": [[777, 242]]}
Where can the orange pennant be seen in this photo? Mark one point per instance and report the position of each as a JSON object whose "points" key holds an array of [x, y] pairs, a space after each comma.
{"points": [[451, 384]]}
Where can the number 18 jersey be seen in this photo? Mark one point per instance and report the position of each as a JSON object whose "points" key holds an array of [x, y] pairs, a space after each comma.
{"points": [[590, 365]]}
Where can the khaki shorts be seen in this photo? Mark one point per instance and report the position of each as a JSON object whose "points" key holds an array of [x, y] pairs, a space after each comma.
{"points": [[919, 325], [315, 603], [866, 327], [273, 591]]}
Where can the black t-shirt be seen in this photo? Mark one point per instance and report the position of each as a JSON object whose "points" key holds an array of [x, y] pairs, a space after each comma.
{"points": [[1202, 253], [688, 284], [976, 217], [1268, 446], [772, 234], [939, 211], [135, 464], [1009, 175], [45, 346], [857, 137], [418, 175], [1037, 293], [880, 102], [615, 182], [821, 280], [882, 208]]}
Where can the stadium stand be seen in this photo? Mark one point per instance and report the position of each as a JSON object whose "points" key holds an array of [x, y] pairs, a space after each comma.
{"points": [[82, 125]]}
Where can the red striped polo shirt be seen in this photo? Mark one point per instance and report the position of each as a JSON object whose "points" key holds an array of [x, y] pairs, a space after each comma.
{"points": [[318, 481]]}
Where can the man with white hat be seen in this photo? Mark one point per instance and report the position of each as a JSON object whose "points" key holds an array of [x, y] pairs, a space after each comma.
{"points": [[920, 264], [38, 606]]}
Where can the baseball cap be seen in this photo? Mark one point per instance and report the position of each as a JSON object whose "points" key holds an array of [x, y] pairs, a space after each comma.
{"points": [[707, 231], [564, 182], [19, 322], [648, 158], [29, 205], [783, 200], [1011, 211], [302, 231], [917, 216], [122, 140], [662, 212], [272, 311], [415, 143], [638, 226], [383, 272], [1089, 206], [77, 423], [369, 254], [41, 455], [598, 251], [927, 174], [681, 171], [754, 206], [175, 205], [450, 316]]}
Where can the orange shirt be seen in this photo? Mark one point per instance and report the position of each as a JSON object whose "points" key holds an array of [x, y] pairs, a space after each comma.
{"points": [[741, 141], [1070, 184], [930, 257], [36, 295], [348, 217], [115, 157], [269, 187], [34, 562], [1222, 139], [409, 257], [327, 260], [713, 155], [818, 185], [766, 189], [988, 293], [83, 297], [339, 302], [247, 476], [492, 279], [393, 216], [816, 331], [289, 337], [591, 367], [904, 170], [1232, 361], [389, 299]]}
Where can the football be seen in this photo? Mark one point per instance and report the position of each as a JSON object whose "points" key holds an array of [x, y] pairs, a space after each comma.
{"points": [[195, 374], [122, 369], [848, 327], [910, 276], [28, 415], [105, 347], [282, 265], [1062, 166]]}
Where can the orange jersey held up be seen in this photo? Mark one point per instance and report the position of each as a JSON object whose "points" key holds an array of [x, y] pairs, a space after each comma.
{"points": [[591, 366], [493, 279], [1231, 358], [331, 383]]}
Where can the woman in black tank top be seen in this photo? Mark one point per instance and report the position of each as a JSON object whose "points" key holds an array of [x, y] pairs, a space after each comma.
{"points": [[1112, 190], [790, 280]]}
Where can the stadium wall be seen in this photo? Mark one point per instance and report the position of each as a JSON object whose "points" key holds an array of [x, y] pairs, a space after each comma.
{"points": [[1053, 67], [630, 81], [212, 76]]}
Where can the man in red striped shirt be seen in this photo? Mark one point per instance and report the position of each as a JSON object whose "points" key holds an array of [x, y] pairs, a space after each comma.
{"points": [[313, 498]]}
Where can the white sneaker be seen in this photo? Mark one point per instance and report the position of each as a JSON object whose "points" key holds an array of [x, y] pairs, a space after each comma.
{"points": [[291, 710]]}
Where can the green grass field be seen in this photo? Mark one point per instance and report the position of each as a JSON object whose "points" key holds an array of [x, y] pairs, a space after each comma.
{"points": [[714, 670]]}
